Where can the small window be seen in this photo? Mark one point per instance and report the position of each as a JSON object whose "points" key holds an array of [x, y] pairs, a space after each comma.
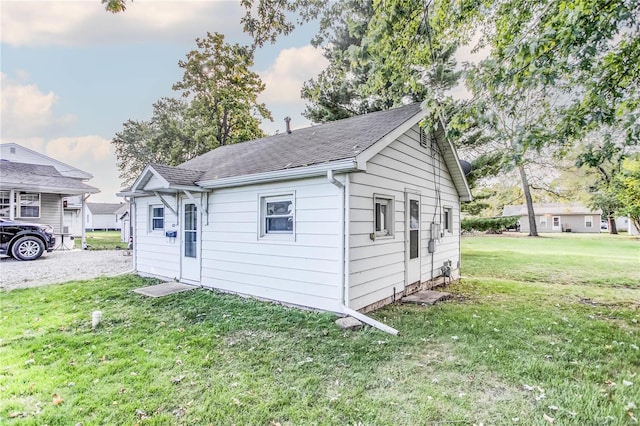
{"points": [[588, 221], [5, 203], [447, 220], [543, 221], [156, 218], [277, 215], [383, 210], [29, 204]]}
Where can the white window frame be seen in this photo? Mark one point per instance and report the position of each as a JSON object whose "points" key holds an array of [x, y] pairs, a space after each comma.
{"points": [[387, 229], [447, 219], [19, 206], [152, 218], [588, 221], [5, 195], [543, 221], [266, 234]]}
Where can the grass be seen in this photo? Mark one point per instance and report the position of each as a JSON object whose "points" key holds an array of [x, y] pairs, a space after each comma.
{"points": [[105, 240], [508, 349]]}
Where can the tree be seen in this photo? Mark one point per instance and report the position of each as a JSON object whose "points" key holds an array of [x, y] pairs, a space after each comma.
{"points": [[627, 185], [223, 92], [164, 139], [219, 107]]}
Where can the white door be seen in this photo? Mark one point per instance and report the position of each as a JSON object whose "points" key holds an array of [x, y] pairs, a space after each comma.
{"points": [[190, 242], [556, 224], [412, 238]]}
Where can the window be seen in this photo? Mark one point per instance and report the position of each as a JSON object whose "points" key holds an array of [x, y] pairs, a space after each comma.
{"points": [[543, 221], [29, 204], [190, 230], [156, 218], [5, 203], [447, 221], [277, 215], [383, 210], [588, 221]]}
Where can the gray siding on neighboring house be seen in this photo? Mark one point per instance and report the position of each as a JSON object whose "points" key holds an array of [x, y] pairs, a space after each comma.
{"points": [[572, 222], [378, 267], [50, 212]]}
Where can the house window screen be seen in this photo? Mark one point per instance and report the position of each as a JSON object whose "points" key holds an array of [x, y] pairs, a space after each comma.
{"points": [[5, 203], [278, 215], [588, 221], [383, 216], [29, 204], [447, 219], [157, 218]]}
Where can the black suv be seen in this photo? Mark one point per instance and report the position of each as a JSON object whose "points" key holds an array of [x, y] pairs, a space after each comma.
{"points": [[25, 241]]}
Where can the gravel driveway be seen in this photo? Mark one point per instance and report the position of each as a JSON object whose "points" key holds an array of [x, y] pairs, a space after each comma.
{"points": [[62, 266]]}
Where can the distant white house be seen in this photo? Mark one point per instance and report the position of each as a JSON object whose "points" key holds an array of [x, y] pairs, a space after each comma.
{"points": [[104, 216], [342, 216], [557, 217]]}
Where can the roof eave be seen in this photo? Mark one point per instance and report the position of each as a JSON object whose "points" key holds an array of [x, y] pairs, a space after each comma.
{"points": [[344, 165], [52, 189]]}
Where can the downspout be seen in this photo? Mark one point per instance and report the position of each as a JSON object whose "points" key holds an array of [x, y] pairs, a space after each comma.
{"points": [[344, 257]]}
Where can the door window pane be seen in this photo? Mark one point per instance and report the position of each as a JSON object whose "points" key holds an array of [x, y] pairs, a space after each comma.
{"points": [[190, 230], [414, 229]]}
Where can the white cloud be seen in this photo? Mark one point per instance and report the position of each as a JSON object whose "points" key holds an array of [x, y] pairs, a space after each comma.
{"points": [[27, 111], [292, 67], [83, 23]]}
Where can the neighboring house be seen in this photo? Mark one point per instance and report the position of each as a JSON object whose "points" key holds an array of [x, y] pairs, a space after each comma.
{"points": [[104, 216], [342, 216], [624, 223], [558, 217], [123, 217], [36, 188]]}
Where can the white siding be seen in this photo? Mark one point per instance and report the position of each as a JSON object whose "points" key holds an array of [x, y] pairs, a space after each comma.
{"points": [[155, 254], [305, 271], [377, 267]]}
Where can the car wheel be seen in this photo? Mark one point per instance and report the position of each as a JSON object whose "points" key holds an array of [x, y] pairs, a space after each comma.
{"points": [[27, 248]]}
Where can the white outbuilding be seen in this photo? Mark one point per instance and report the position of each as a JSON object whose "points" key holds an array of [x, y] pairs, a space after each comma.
{"points": [[347, 215]]}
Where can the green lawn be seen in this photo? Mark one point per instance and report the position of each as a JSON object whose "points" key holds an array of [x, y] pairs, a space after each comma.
{"points": [[512, 347], [105, 240]]}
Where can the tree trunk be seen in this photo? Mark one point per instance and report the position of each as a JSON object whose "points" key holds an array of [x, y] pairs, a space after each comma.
{"points": [[613, 229], [533, 230]]}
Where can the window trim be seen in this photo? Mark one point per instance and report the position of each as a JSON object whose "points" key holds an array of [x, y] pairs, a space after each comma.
{"points": [[590, 221], [390, 202], [263, 199], [447, 219], [543, 221], [8, 205], [152, 218], [19, 205]]}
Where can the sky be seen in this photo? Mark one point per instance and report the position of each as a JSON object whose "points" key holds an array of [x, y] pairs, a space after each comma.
{"points": [[72, 73]]}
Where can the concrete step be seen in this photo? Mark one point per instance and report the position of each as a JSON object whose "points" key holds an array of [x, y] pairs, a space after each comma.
{"points": [[426, 297]]}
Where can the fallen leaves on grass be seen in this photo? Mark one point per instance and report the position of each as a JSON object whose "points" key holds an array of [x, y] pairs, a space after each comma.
{"points": [[56, 399], [548, 418]]}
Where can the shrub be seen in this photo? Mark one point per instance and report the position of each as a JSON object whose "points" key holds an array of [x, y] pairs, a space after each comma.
{"points": [[491, 224]]}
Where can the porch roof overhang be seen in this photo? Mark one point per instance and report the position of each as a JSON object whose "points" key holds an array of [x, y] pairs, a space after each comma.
{"points": [[143, 186]]}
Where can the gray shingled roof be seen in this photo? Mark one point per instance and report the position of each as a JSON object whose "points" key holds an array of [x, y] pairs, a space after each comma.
{"points": [[38, 177], [317, 144], [178, 175], [104, 208]]}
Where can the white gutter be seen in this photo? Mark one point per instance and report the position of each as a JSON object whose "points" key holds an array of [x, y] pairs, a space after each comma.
{"points": [[343, 259], [277, 175]]}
